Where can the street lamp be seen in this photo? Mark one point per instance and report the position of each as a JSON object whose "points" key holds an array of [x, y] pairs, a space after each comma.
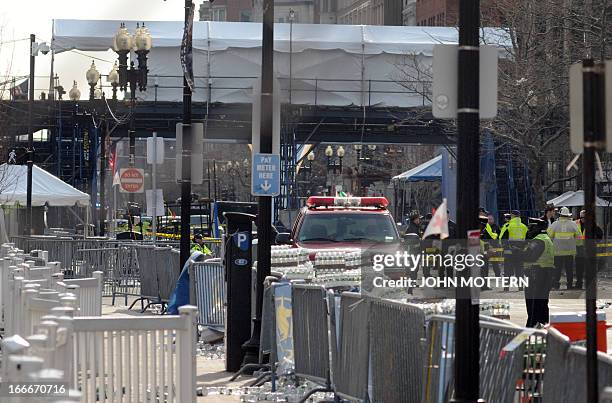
{"points": [[113, 79], [93, 76], [74, 94]]}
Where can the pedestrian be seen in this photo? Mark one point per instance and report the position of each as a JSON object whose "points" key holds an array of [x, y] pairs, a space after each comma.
{"points": [[414, 225], [538, 256], [549, 215], [199, 246], [564, 233], [512, 236], [580, 248]]}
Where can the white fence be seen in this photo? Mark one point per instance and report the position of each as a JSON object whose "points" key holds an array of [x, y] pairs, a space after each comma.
{"points": [[101, 359]]}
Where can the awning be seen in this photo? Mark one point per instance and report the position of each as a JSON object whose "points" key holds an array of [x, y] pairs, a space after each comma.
{"points": [[429, 171], [574, 199], [46, 188]]}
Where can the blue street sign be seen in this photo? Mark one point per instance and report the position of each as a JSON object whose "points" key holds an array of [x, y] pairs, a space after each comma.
{"points": [[265, 175]]}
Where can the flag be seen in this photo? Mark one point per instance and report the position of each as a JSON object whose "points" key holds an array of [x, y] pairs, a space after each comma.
{"points": [[20, 91], [438, 223], [187, 49], [116, 179]]}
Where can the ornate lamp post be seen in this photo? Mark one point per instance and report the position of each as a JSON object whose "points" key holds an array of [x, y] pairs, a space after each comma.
{"points": [[113, 79], [74, 94], [93, 76]]}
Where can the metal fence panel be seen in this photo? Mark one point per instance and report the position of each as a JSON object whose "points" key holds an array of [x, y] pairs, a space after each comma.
{"points": [[396, 340], [310, 333], [209, 281], [351, 380]]}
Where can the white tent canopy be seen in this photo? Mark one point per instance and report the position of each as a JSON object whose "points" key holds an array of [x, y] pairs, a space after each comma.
{"points": [[331, 64], [574, 199], [46, 188]]}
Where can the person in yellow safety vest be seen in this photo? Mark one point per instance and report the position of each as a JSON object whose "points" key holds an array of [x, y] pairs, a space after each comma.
{"points": [[580, 251], [564, 233], [487, 236], [198, 245], [512, 236], [539, 258], [496, 252]]}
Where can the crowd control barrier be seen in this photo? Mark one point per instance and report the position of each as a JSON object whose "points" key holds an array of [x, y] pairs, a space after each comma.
{"points": [[311, 342], [565, 370], [397, 351], [159, 271], [209, 283], [351, 369]]}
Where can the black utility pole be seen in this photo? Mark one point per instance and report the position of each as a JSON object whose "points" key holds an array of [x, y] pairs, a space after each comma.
{"points": [[468, 174], [30, 162], [185, 242], [594, 141], [264, 208]]}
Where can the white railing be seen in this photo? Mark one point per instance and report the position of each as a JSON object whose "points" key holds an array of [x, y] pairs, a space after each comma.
{"points": [[107, 359], [141, 359]]}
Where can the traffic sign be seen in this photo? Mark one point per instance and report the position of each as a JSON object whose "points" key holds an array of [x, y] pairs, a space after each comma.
{"points": [[445, 85], [265, 175], [197, 153], [131, 180], [576, 109], [155, 150]]}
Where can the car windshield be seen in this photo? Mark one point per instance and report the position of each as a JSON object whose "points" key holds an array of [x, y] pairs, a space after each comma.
{"points": [[353, 227]]}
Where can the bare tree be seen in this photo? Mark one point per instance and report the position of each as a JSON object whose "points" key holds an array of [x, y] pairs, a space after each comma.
{"points": [[539, 39]]}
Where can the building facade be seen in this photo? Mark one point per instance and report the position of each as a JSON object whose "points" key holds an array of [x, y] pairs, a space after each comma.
{"points": [[409, 13], [370, 12], [437, 13], [304, 11], [227, 10]]}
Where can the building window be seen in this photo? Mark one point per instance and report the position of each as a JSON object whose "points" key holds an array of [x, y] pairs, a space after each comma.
{"points": [[219, 14], [245, 16]]}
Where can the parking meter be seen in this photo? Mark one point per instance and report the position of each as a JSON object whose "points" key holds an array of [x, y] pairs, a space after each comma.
{"points": [[237, 263]]}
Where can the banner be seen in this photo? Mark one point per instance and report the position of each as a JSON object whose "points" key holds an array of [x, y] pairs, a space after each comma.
{"points": [[187, 49]]}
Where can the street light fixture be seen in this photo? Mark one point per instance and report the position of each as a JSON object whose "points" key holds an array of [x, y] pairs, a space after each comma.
{"points": [[113, 79], [74, 94], [334, 165], [93, 76]]}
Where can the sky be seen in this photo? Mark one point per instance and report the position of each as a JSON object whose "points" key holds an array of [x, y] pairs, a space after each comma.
{"points": [[20, 18]]}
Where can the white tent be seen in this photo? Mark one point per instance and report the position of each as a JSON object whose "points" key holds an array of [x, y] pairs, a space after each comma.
{"points": [[46, 188], [331, 64], [574, 199]]}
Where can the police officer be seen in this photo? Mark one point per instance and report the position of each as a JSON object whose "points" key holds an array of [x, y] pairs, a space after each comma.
{"points": [[414, 226], [198, 245], [512, 235], [486, 237], [564, 233], [539, 259]]}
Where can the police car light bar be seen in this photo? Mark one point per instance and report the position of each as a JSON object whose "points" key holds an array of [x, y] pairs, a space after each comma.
{"points": [[326, 201]]}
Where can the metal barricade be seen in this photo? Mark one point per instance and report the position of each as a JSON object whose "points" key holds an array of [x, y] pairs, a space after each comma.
{"points": [[565, 370], [351, 369], [311, 333], [396, 342], [209, 282], [149, 285], [555, 382], [168, 270], [126, 277], [500, 371]]}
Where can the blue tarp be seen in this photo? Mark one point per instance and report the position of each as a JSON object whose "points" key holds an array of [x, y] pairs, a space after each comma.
{"points": [[430, 171], [180, 295]]}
